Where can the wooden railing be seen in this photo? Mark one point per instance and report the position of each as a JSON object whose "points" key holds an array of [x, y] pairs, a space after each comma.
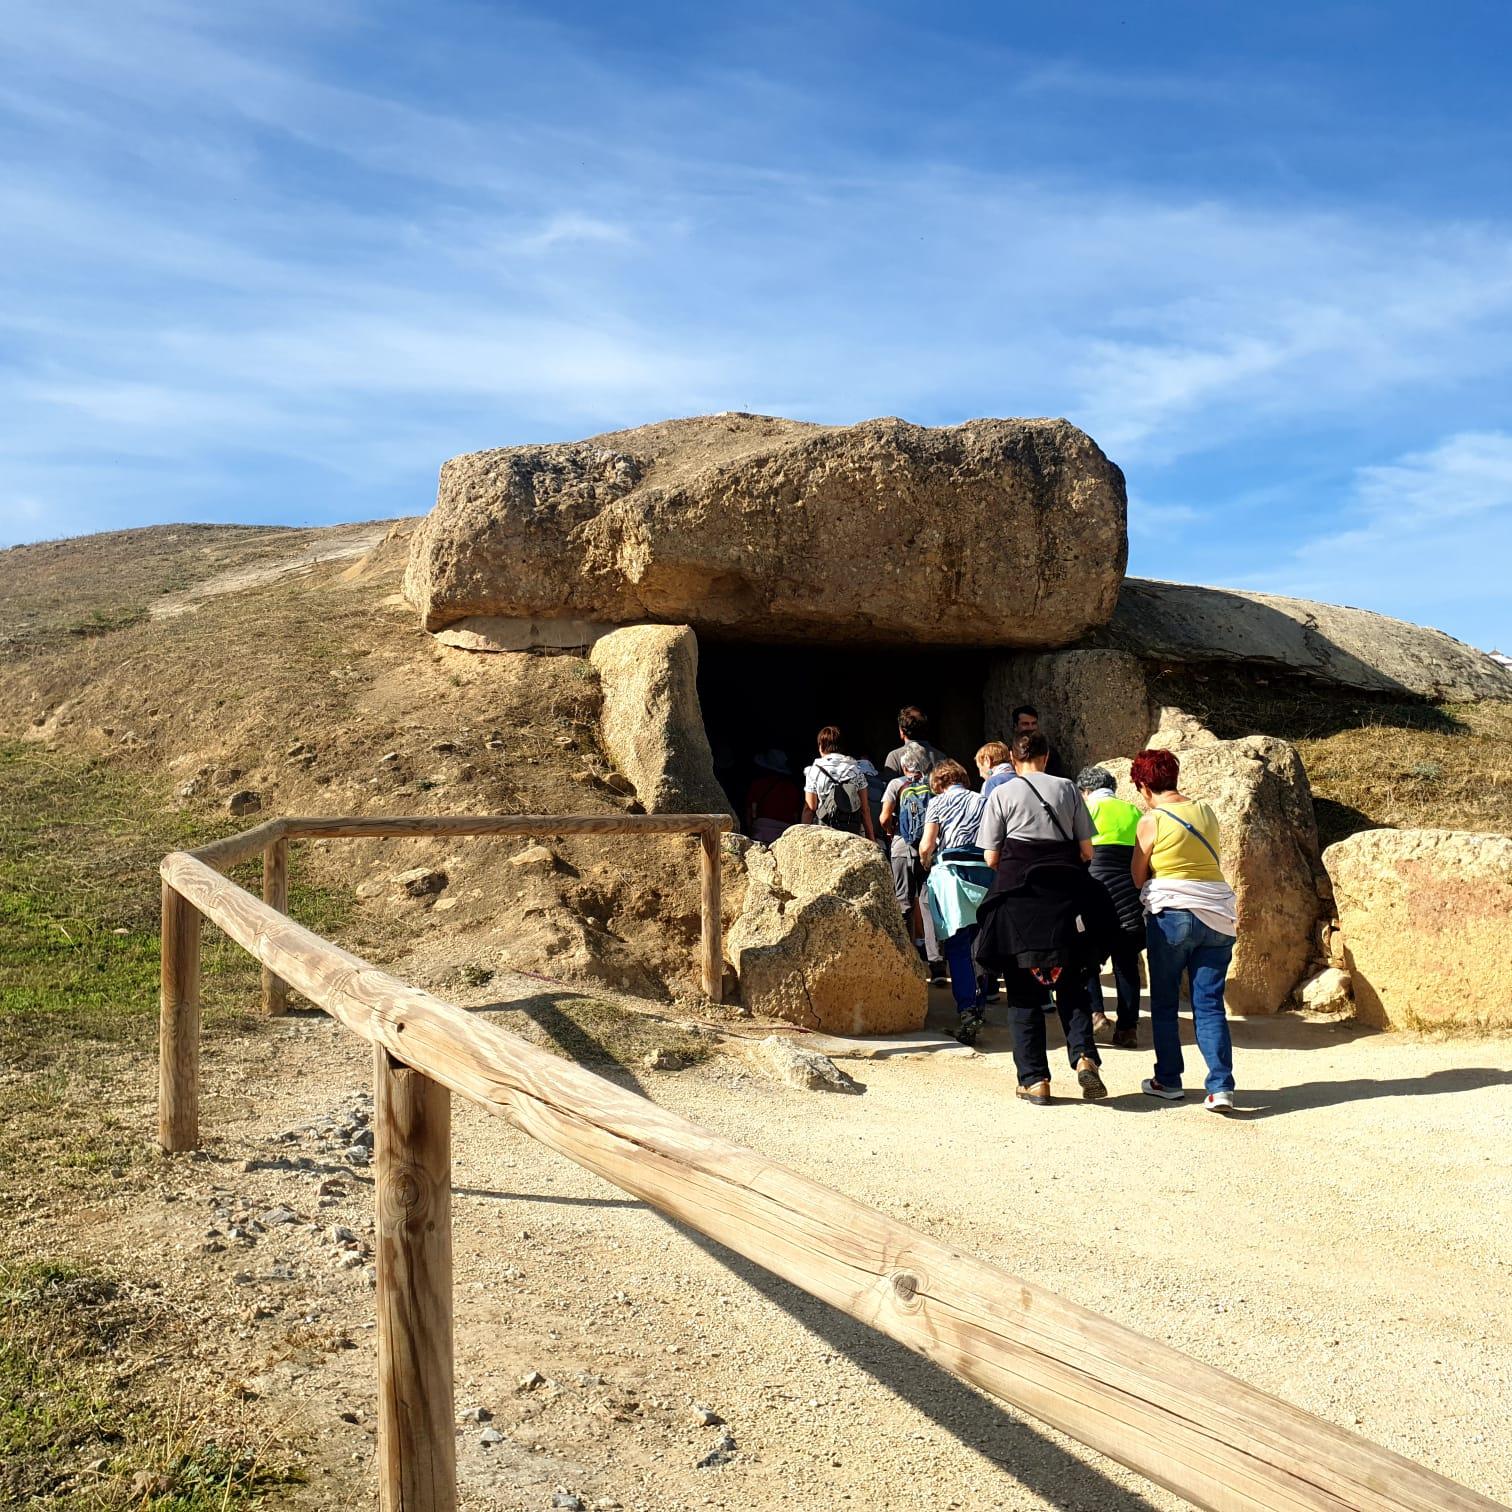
{"points": [[1195, 1430]]}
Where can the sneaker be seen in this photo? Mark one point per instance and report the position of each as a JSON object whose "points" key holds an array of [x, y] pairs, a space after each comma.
{"points": [[937, 974], [1090, 1080], [969, 1027], [1219, 1102], [1152, 1088]]}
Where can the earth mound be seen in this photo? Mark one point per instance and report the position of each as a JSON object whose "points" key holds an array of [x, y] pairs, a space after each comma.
{"points": [[1330, 643], [995, 532]]}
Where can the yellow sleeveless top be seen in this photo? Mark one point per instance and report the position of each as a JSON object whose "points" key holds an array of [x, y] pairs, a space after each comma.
{"points": [[1179, 856]]}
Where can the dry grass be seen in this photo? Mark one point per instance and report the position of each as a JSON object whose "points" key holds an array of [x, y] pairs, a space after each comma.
{"points": [[74, 1438], [1373, 762]]}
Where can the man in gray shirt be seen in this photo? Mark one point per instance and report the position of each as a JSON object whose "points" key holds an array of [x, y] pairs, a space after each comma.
{"points": [[912, 723], [1034, 806]]}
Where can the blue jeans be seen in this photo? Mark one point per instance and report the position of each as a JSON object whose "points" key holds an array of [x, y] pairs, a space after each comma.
{"points": [[963, 978], [1178, 941]]}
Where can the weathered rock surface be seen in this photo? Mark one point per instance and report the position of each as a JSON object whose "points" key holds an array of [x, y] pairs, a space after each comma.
{"points": [[1328, 992], [1427, 923], [651, 723], [1259, 790], [806, 1069], [1354, 648], [1092, 704], [820, 941], [1176, 730], [995, 532]]}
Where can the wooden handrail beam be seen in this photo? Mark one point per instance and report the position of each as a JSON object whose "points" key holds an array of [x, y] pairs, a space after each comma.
{"points": [[234, 849], [409, 826], [1195, 1430]]}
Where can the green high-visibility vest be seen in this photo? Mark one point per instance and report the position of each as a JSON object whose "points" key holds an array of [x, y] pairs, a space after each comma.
{"points": [[1114, 822]]}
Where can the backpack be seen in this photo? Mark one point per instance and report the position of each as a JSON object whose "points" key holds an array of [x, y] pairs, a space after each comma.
{"points": [[834, 804], [913, 800]]}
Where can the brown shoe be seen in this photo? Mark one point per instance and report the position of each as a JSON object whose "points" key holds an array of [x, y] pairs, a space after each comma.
{"points": [[1102, 1029], [1036, 1092], [1090, 1078]]}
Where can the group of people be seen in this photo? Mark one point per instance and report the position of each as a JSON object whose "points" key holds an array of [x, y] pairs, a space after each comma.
{"points": [[1034, 881]]}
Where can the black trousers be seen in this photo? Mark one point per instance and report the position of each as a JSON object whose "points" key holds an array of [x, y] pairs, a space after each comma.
{"points": [[1026, 1005], [1125, 984]]}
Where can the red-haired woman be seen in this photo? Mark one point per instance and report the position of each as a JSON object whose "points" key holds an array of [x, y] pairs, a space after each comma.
{"points": [[1189, 927]]}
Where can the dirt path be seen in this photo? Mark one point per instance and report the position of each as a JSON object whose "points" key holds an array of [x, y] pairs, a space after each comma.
{"points": [[1344, 1243], [339, 543]]}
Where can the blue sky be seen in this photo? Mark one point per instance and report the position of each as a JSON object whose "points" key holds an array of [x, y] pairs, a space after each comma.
{"points": [[276, 261]]}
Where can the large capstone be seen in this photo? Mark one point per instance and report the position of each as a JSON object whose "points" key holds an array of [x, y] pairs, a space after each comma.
{"points": [[1329, 643], [995, 532]]}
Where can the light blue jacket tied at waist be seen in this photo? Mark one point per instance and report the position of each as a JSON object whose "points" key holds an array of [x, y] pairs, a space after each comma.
{"points": [[958, 881]]}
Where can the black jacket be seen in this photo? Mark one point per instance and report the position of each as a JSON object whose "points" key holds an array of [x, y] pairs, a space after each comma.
{"points": [[1111, 868], [1055, 916]]}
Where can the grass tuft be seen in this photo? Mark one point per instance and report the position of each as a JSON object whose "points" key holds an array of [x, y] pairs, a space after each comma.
{"points": [[68, 1440]]}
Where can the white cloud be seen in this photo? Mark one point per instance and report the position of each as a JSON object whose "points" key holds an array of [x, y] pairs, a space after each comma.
{"points": [[1429, 539], [227, 257]]}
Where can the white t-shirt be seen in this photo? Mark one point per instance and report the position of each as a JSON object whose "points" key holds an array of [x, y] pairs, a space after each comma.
{"points": [[837, 768]]}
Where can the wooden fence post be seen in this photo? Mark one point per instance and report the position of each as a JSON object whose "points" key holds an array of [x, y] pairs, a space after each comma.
{"points": [[275, 991], [712, 951], [417, 1451], [179, 1024]]}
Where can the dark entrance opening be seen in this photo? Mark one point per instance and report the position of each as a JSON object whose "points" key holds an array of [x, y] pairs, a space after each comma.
{"points": [[758, 697]]}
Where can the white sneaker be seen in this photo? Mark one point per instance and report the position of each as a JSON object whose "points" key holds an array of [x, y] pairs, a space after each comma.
{"points": [[1219, 1102], [1152, 1088]]}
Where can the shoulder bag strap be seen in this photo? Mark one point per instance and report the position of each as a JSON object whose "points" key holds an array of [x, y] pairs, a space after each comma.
{"points": [[1060, 829], [1192, 830]]}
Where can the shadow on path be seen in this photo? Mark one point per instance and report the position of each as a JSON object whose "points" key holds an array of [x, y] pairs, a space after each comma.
{"points": [[1272, 1103], [594, 1202], [1013, 1444], [1365, 1089], [550, 1012]]}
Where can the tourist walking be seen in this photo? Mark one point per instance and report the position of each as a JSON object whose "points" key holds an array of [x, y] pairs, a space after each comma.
{"points": [[994, 764], [1190, 927], [1045, 922], [904, 807], [834, 789], [1114, 822], [913, 724], [774, 800], [1026, 721], [958, 881]]}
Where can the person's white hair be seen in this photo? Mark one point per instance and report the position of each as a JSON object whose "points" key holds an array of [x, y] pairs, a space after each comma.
{"points": [[914, 758]]}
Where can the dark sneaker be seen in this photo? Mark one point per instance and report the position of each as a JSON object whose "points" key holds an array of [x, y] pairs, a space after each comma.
{"points": [[938, 977], [1090, 1079], [1152, 1088], [969, 1027]]}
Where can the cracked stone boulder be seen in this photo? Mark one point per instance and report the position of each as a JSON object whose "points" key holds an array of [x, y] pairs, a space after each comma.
{"points": [[995, 532], [1331, 643], [1426, 917], [820, 940], [1258, 787]]}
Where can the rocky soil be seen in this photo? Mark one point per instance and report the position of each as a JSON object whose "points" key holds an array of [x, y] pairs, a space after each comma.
{"points": [[606, 1354]]}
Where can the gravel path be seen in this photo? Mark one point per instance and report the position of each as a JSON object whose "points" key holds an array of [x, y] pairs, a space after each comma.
{"points": [[1344, 1242]]}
